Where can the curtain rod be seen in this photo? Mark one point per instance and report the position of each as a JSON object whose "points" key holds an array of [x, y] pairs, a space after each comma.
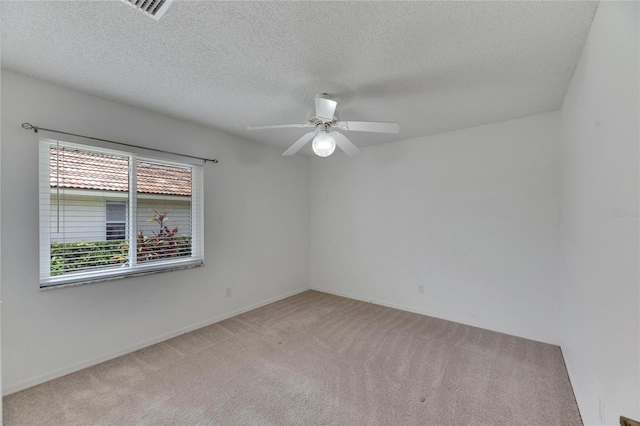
{"points": [[29, 126]]}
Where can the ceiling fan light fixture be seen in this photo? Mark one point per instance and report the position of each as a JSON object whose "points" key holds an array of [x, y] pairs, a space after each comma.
{"points": [[323, 144]]}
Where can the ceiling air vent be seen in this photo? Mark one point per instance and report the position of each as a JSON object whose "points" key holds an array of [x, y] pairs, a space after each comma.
{"points": [[152, 8]]}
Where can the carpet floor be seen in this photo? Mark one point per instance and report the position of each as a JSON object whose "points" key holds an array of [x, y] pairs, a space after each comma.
{"points": [[315, 359]]}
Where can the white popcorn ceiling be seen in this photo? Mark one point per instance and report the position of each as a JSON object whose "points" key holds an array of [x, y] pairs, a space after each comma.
{"points": [[430, 66]]}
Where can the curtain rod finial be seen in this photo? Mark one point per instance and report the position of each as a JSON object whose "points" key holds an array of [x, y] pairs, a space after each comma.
{"points": [[29, 126]]}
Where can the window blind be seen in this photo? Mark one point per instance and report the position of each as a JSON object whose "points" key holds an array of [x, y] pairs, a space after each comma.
{"points": [[107, 214]]}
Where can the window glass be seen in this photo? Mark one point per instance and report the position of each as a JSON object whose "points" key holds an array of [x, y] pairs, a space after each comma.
{"points": [[116, 223]]}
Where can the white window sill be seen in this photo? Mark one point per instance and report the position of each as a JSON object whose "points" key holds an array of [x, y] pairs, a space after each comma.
{"points": [[73, 280]]}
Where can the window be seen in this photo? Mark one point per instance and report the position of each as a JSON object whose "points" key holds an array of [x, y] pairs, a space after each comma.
{"points": [[107, 214], [116, 222]]}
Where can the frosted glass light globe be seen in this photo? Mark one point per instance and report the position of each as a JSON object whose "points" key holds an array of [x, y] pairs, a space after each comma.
{"points": [[323, 144]]}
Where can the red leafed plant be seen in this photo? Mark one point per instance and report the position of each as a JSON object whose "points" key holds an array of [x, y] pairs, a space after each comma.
{"points": [[164, 244]]}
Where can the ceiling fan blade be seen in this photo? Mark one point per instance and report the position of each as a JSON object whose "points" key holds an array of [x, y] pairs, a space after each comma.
{"points": [[325, 108], [345, 144], [279, 126], [299, 143], [369, 126]]}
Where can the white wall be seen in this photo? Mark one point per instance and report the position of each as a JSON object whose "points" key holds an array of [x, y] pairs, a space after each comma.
{"points": [[1, 381], [471, 214], [256, 220], [600, 183]]}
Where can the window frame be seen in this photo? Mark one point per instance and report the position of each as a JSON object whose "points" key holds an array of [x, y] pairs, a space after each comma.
{"points": [[132, 268]]}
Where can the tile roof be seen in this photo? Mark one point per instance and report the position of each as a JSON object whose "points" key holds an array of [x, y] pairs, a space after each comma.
{"points": [[97, 171]]}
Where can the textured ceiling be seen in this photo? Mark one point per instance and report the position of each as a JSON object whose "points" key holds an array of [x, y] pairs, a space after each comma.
{"points": [[430, 66]]}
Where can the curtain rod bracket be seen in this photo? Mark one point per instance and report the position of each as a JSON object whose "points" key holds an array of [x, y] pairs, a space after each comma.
{"points": [[29, 126]]}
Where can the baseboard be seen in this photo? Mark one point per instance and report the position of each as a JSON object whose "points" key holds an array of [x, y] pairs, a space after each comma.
{"points": [[123, 351], [479, 324]]}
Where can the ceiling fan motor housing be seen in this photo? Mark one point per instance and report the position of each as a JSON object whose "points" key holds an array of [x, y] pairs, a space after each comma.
{"points": [[312, 118]]}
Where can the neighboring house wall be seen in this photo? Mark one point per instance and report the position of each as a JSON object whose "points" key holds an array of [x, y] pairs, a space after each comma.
{"points": [[179, 215], [71, 230], [83, 217]]}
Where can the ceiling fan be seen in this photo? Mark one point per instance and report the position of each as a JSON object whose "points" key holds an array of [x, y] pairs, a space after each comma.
{"points": [[324, 118]]}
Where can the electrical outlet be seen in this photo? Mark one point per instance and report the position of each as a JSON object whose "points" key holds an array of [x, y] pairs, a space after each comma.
{"points": [[421, 289], [227, 292], [601, 409]]}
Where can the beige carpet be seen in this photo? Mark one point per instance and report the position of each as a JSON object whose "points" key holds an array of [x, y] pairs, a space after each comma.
{"points": [[315, 359]]}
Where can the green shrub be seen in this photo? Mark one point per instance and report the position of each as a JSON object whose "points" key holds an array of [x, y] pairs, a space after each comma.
{"points": [[86, 256], [83, 256]]}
